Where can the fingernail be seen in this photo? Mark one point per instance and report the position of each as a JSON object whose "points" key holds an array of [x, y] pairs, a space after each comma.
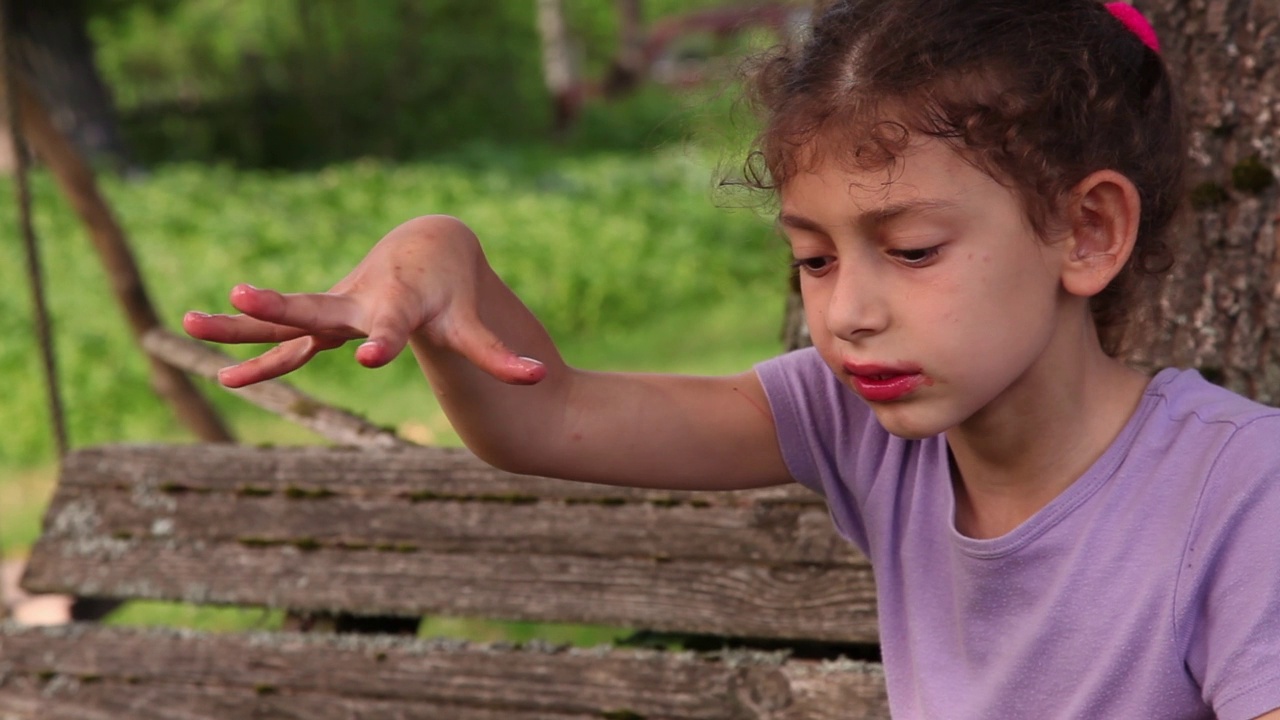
{"points": [[528, 359], [197, 314]]}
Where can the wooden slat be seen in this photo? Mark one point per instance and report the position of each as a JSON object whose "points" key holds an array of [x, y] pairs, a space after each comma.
{"points": [[437, 532], [91, 673], [158, 470]]}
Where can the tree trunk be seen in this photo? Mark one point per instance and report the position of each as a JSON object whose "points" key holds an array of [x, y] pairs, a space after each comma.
{"points": [[557, 64], [1219, 311], [1221, 308], [51, 45], [628, 66]]}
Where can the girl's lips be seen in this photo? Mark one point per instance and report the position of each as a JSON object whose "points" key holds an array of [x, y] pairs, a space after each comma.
{"points": [[877, 383]]}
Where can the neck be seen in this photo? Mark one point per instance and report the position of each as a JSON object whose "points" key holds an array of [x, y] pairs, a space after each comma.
{"points": [[1022, 451]]}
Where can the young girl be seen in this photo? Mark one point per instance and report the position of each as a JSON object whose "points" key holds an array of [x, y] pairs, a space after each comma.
{"points": [[974, 192]]}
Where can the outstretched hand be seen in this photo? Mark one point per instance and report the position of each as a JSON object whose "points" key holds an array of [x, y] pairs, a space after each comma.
{"points": [[423, 280]]}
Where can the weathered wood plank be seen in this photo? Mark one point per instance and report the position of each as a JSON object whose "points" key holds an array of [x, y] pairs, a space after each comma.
{"points": [[89, 673], [698, 597], [400, 534], [447, 472], [769, 533]]}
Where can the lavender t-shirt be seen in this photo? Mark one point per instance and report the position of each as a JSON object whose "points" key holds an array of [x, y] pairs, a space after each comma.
{"points": [[1150, 588]]}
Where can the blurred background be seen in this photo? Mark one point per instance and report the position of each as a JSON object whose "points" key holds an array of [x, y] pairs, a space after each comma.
{"points": [[273, 141]]}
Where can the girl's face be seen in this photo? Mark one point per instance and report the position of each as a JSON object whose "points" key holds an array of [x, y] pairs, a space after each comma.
{"points": [[927, 292]]}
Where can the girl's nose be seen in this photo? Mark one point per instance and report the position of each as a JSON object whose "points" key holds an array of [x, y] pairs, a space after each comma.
{"points": [[857, 306]]}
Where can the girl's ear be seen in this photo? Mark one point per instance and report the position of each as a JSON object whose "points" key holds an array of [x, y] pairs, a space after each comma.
{"points": [[1103, 210]]}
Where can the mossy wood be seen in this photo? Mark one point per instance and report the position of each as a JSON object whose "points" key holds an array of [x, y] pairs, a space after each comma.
{"points": [[146, 674], [432, 531]]}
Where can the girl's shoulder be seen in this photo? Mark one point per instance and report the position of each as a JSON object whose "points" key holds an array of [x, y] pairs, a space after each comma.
{"points": [[1223, 446], [1185, 397]]}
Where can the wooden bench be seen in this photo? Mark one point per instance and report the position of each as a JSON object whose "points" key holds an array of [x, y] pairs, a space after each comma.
{"points": [[783, 606]]}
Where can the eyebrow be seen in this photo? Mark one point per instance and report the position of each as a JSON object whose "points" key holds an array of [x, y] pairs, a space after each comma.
{"points": [[875, 217]]}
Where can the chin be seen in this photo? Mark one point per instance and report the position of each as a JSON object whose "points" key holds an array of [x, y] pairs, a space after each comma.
{"points": [[896, 421]]}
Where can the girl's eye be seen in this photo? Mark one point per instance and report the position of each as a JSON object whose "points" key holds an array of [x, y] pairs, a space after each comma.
{"points": [[916, 257], [813, 265]]}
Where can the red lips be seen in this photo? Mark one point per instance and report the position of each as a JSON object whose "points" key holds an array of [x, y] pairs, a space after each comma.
{"points": [[883, 383]]}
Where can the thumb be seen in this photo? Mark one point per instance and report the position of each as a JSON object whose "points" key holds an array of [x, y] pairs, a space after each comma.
{"points": [[387, 338]]}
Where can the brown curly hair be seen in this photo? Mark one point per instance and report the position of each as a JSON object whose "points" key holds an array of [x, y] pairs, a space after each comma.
{"points": [[1036, 94]]}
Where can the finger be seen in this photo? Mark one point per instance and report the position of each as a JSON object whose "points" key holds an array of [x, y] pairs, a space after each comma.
{"points": [[388, 335], [236, 329], [312, 312], [478, 344], [279, 360]]}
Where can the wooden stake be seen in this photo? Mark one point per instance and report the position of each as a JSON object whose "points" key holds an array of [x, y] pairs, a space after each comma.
{"points": [[77, 182]]}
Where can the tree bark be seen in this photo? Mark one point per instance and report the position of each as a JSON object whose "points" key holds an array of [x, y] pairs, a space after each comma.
{"points": [[52, 46], [1219, 310]]}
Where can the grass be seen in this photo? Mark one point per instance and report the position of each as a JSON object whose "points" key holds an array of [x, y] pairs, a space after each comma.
{"points": [[626, 258], [237, 619]]}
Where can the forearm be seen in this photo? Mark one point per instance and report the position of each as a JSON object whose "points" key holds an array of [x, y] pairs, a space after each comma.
{"points": [[642, 430]]}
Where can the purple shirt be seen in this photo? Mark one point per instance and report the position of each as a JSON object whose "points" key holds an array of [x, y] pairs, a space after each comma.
{"points": [[1150, 588]]}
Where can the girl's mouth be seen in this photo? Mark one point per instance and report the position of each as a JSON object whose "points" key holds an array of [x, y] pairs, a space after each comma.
{"points": [[881, 384]]}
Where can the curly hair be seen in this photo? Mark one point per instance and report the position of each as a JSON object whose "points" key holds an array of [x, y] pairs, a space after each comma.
{"points": [[1036, 94]]}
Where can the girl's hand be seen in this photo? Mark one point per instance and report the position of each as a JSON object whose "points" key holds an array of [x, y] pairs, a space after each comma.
{"points": [[424, 280]]}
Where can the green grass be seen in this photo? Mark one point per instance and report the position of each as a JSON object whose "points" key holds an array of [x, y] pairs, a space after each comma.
{"points": [[626, 258], [237, 619]]}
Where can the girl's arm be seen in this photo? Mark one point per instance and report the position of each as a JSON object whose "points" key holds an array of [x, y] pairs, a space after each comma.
{"points": [[427, 285]]}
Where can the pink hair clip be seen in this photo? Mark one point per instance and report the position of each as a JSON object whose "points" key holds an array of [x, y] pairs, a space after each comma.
{"points": [[1137, 24]]}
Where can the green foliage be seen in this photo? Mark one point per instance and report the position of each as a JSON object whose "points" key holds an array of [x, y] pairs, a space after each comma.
{"points": [[625, 257], [289, 83]]}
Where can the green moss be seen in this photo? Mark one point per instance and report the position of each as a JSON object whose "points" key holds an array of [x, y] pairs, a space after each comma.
{"points": [[1213, 374], [122, 535], [180, 489], [90, 679], [604, 501], [259, 542], [297, 493], [1208, 195], [425, 496], [265, 689], [305, 408], [1252, 176], [306, 544], [1223, 130], [396, 547], [504, 499], [45, 676], [510, 499], [253, 491]]}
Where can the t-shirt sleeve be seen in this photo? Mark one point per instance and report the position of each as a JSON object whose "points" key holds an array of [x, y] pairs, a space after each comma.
{"points": [[823, 431], [1230, 583]]}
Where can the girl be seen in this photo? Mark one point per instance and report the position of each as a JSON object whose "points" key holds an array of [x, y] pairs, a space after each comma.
{"points": [[974, 192]]}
